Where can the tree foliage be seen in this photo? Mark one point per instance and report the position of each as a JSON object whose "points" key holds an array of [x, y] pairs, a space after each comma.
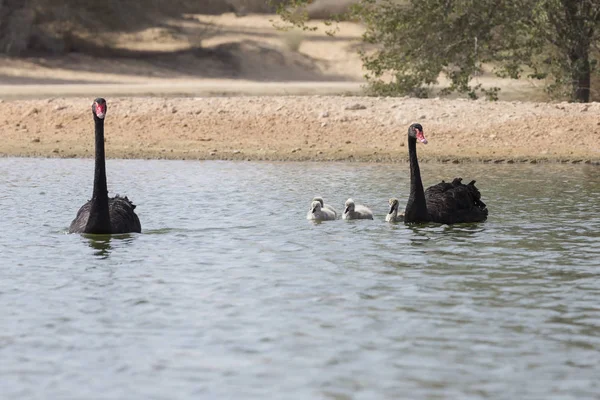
{"points": [[570, 30], [419, 41]]}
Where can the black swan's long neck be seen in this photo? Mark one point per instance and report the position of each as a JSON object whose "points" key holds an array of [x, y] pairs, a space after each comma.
{"points": [[416, 207], [99, 218]]}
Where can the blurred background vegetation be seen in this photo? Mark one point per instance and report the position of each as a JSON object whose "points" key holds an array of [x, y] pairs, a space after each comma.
{"points": [[409, 45], [58, 26], [419, 42]]}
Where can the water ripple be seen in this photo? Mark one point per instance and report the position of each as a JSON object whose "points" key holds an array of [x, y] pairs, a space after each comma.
{"points": [[231, 293]]}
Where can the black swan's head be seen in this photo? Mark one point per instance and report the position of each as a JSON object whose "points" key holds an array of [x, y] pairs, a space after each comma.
{"points": [[315, 207], [415, 131], [393, 205], [99, 108], [349, 206]]}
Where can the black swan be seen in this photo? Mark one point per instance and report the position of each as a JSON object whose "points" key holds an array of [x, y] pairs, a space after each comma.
{"points": [[446, 203], [102, 215]]}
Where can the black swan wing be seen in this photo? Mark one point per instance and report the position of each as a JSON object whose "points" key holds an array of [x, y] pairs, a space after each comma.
{"points": [[123, 218], [455, 202], [438, 189], [79, 223]]}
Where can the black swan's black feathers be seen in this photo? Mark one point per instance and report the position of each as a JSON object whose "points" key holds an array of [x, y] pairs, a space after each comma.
{"points": [[122, 217], [449, 203]]}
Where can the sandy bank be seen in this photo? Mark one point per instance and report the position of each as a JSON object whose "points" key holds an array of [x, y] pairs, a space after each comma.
{"points": [[316, 128]]}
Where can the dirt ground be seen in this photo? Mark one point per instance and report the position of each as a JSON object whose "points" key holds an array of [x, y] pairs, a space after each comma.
{"points": [[304, 128], [227, 87]]}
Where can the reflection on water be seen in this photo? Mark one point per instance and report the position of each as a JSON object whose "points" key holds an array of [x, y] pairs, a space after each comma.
{"points": [[102, 243], [230, 292]]}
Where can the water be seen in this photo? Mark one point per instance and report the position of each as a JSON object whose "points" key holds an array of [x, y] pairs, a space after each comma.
{"points": [[231, 293]]}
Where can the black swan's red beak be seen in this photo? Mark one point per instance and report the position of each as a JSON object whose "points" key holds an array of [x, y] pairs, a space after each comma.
{"points": [[100, 111], [421, 136]]}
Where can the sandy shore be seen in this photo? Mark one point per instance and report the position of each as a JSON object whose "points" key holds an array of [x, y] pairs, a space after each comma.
{"points": [[315, 128], [223, 87]]}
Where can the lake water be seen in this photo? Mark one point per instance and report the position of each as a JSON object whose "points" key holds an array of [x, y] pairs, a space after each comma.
{"points": [[230, 292]]}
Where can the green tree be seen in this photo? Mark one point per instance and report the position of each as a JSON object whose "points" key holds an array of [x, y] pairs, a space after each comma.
{"points": [[570, 30], [417, 41]]}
